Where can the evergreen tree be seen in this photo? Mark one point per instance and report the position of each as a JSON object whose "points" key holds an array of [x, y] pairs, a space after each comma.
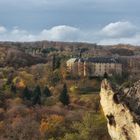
{"points": [[13, 88], [105, 75], [2, 99], [37, 96], [57, 63], [64, 97], [53, 62], [47, 92], [26, 93], [10, 78], [80, 54]]}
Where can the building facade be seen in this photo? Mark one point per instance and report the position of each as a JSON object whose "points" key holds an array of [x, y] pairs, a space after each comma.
{"points": [[92, 67]]}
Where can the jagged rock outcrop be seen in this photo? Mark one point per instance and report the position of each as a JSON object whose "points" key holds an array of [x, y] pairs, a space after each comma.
{"points": [[122, 110]]}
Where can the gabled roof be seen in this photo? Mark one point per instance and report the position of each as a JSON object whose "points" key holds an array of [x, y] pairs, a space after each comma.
{"points": [[72, 60]]}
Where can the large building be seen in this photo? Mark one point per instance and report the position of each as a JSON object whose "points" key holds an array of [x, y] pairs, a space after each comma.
{"points": [[91, 67]]}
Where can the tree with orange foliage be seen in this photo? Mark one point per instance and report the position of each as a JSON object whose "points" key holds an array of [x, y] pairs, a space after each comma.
{"points": [[20, 84], [51, 124]]}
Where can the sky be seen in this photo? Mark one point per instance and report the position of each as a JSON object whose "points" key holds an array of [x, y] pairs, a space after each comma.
{"points": [[93, 21]]}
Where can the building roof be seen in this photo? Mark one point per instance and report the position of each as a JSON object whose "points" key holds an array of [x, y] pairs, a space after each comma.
{"points": [[72, 60], [95, 60], [103, 60], [81, 60]]}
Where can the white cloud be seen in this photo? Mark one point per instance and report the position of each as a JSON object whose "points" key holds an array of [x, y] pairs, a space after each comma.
{"points": [[17, 31], [2, 29], [119, 32], [61, 33], [119, 29], [57, 33], [135, 40], [113, 33]]}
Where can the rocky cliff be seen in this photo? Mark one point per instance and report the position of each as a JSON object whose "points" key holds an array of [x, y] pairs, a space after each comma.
{"points": [[122, 110]]}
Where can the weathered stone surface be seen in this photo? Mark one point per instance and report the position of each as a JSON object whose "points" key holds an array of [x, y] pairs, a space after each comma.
{"points": [[122, 110]]}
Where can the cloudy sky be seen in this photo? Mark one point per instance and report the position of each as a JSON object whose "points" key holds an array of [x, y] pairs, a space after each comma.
{"points": [[97, 21]]}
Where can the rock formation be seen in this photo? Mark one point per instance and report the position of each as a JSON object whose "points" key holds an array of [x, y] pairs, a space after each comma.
{"points": [[122, 110]]}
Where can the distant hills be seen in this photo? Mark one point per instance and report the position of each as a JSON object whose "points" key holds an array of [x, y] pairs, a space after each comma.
{"points": [[20, 54], [70, 45]]}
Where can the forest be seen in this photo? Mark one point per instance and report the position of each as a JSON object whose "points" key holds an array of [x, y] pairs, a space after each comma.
{"points": [[40, 100]]}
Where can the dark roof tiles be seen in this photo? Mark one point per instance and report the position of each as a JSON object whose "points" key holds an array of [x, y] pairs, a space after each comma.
{"points": [[96, 60], [103, 60]]}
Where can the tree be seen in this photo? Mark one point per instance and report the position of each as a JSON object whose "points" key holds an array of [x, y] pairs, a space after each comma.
{"points": [[53, 62], [47, 92], [37, 96], [105, 75], [64, 97], [26, 93], [2, 99], [92, 127], [80, 54], [56, 62], [51, 126], [44, 52], [97, 106], [13, 88], [10, 77]]}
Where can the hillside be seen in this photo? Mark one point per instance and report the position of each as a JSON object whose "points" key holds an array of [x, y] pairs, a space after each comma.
{"points": [[17, 58], [75, 48]]}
